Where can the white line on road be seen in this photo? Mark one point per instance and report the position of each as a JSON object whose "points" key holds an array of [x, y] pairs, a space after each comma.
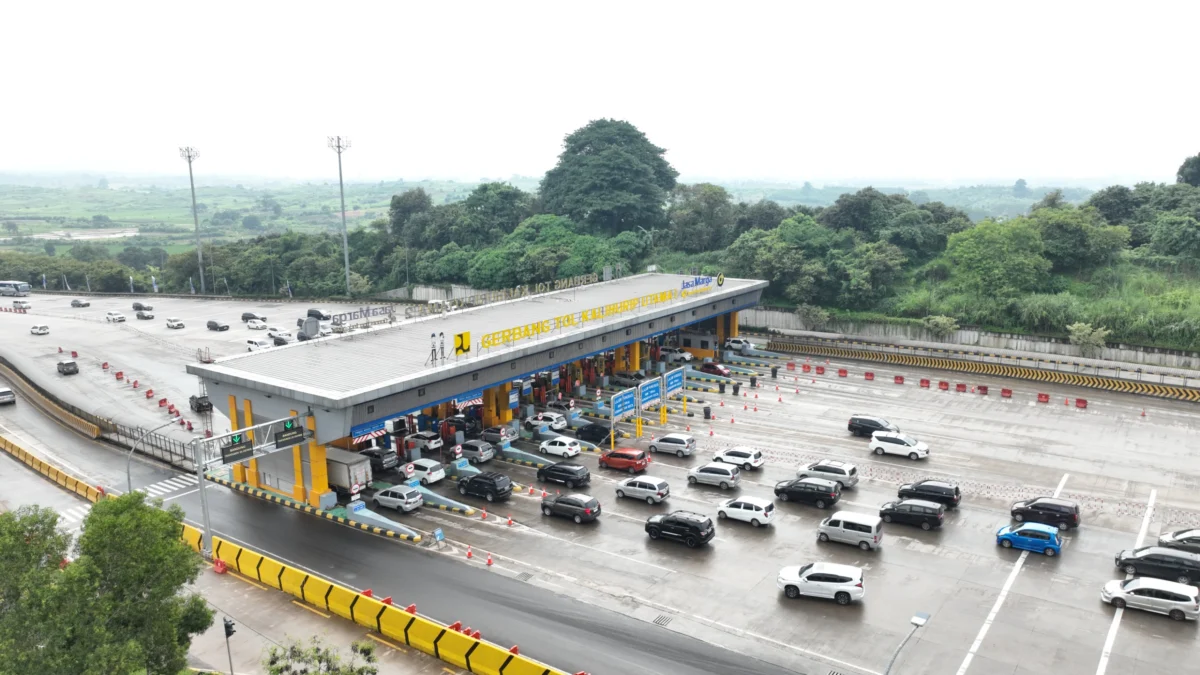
{"points": [[1116, 621], [1008, 583], [181, 494]]}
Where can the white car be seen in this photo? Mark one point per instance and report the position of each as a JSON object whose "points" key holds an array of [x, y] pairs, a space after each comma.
{"points": [[40, 330], [679, 444], [676, 355], [556, 421], [112, 317], [256, 324], [561, 446], [747, 458], [736, 344], [1178, 601], [842, 583], [401, 497], [275, 332], [428, 470], [258, 345], [896, 443], [174, 323], [754, 510], [424, 441]]}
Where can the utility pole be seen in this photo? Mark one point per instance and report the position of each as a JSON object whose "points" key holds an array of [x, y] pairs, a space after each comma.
{"points": [[189, 153], [340, 145]]}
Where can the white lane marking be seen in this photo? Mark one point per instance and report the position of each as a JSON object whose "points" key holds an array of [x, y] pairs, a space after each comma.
{"points": [[154, 490], [175, 483], [1008, 583], [182, 494], [74, 513], [1111, 638]]}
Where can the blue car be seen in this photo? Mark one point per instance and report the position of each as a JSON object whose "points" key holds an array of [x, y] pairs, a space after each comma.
{"points": [[1034, 537]]}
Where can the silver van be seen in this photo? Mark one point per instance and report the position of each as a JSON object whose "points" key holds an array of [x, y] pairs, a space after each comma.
{"points": [[720, 474], [677, 444], [859, 529], [401, 497], [653, 490]]}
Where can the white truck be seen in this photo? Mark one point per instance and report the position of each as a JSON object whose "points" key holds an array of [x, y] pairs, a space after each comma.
{"points": [[349, 473]]}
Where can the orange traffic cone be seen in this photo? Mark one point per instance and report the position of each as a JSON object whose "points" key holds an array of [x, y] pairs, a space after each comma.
{"points": [[731, 420], [469, 554], [755, 408], [710, 431], [545, 494], [489, 560], [530, 489], [484, 516], [745, 407], [510, 523], [780, 399], [1143, 412]]}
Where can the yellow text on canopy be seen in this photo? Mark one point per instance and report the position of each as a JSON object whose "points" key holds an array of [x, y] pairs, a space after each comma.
{"points": [[518, 333]]}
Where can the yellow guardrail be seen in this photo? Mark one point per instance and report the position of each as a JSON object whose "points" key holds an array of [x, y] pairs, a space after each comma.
{"points": [[53, 409], [62, 478]]}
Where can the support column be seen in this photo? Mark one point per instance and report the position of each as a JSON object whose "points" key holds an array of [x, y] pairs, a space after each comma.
{"points": [[239, 470], [635, 358], [252, 473], [720, 347], [298, 491], [490, 418], [505, 412], [248, 416], [316, 465], [733, 324]]}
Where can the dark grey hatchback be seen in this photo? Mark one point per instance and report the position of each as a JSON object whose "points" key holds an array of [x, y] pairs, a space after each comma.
{"points": [[579, 508]]}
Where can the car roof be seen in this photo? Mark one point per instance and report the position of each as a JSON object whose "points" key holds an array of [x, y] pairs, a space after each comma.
{"points": [[719, 465], [627, 451], [580, 496], [425, 461], [921, 502], [832, 462], [571, 466], [1038, 527], [1163, 550], [685, 437], [891, 434], [935, 482], [813, 480], [1190, 532], [646, 479], [491, 474], [1164, 585], [757, 501], [1053, 500], [877, 418], [476, 441], [836, 568], [689, 515], [742, 448]]}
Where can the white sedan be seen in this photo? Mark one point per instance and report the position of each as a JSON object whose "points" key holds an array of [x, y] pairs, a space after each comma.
{"points": [[842, 583], [275, 332], [256, 324], [555, 421], [561, 446], [747, 458], [40, 330], [896, 443], [754, 510], [428, 470]]}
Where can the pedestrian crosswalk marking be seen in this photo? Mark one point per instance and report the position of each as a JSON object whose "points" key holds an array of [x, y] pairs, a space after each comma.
{"points": [[75, 513], [169, 485]]}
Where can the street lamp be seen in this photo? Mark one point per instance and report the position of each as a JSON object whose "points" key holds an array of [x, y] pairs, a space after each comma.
{"points": [[919, 619], [129, 459]]}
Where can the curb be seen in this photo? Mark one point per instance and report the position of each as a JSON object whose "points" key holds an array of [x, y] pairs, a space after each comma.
{"points": [[453, 509], [522, 462]]}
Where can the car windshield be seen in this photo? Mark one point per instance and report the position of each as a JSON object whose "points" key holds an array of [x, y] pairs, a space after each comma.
{"points": [[572, 469], [436, 466], [907, 440], [1127, 583]]}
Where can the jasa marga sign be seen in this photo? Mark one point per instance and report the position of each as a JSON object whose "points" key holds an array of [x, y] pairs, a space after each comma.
{"points": [[697, 285]]}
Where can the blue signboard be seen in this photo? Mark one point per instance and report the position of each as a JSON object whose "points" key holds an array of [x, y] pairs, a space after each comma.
{"points": [[623, 404], [527, 387], [357, 506], [650, 392], [462, 463], [554, 377], [513, 399], [438, 535], [415, 482], [674, 381]]}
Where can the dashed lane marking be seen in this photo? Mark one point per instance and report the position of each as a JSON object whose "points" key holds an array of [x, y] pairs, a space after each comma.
{"points": [[1111, 638]]}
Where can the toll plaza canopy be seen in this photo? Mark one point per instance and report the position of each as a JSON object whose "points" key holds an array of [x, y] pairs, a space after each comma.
{"points": [[381, 372]]}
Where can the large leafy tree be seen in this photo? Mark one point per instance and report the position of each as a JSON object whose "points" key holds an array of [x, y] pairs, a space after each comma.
{"points": [[1077, 239], [867, 211], [493, 210], [1177, 235], [1115, 203], [700, 217], [999, 260], [406, 205], [1189, 171], [610, 178]]}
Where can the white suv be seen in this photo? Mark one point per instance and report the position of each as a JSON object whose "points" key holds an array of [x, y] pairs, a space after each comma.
{"points": [[844, 474], [737, 344], [842, 583], [424, 440], [896, 443], [680, 444], [676, 355], [561, 446], [747, 458], [754, 510], [114, 317], [174, 323]]}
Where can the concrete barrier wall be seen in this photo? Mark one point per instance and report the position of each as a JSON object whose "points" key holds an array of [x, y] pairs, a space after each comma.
{"points": [[50, 407], [62, 478]]}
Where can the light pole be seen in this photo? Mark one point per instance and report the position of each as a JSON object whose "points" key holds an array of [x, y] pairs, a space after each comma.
{"points": [[129, 459], [918, 619], [189, 153], [340, 145]]}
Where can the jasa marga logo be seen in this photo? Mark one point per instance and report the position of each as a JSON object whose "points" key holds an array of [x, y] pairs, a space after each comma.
{"points": [[696, 285]]}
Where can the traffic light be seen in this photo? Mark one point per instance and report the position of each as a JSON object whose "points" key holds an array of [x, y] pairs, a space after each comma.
{"points": [[229, 630]]}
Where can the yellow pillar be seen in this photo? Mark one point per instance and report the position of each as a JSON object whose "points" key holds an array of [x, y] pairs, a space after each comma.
{"points": [[489, 407], [248, 416], [720, 335], [252, 473], [239, 473], [502, 404], [636, 358], [298, 491], [733, 324], [233, 416], [316, 465]]}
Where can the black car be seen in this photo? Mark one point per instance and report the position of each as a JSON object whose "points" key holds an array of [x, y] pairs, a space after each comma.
{"points": [[865, 425], [382, 459], [80, 303], [926, 515], [301, 336], [246, 316], [579, 508], [142, 314], [563, 407], [941, 491], [1183, 540], [280, 341], [567, 473], [1164, 563], [468, 425], [217, 325], [1062, 513], [200, 404], [319, 315], [596, 434], [142, 306], [691, 528], [491, 485], [819, 492]]}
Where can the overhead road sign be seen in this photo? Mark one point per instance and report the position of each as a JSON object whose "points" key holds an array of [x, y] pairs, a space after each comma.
{"points": [[291, 434], [239, 447]]}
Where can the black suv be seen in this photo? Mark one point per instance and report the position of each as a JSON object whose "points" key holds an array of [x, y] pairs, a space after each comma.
{"points": [[143, 314], [926, 515], [80, 303], [246, 316], [1062, 513], [596, 434], [865, 425], [382, 459], [1164, 563], [816, 491], [567, 473], [691, 528], [941, 491], [576, 507], [491, 485], [217, 325], [138, 306]]}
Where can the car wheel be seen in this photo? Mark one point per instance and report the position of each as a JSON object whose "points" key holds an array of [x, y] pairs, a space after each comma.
{"points": [[578, 519], [650, 501], [1018, 517], [570, 485], [747, 467], [620, 494], [721, 515], [654, 534], [1184, 580], [491, 497], [1049, 552], [926, 526], [691, 480], [755, 523], [1004, 543], [1130, 569], [792, 592], [543, 450], [912, 456], [1062, 527], [654, 448], [462, 489], [724, 485], [691, 542], [820, 503], [546, 511], [631, 470], [864, 546], [840, 486], [842, 598], [822, 537], [1118, 603], [424, 481], [1177, 614], [472, 460], [783, 497], [879, 451], [541, 478], [375, 503], [887, 518], [679, 454]]}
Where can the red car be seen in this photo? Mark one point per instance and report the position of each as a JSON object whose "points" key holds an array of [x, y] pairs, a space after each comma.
{"points": [[714, 369], [627, 459]]}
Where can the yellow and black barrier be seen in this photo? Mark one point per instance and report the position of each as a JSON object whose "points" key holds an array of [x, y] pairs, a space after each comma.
{"points": [[997, 369], [62, 478], [53, 409], [457, 649], [263, 494]]}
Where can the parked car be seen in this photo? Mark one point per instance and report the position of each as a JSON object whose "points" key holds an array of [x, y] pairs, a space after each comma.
{"points": [[400, 497], [561, 446], [1177, 601], [896, 443], [819, 492], [1183, 540], [865, 425], [679, 445], [1164, 563], [564, 406], [114, 317], [80, 303], [1036, 537], [653, 490], [174, 323], [144, 315], [256, 324], [258, 345], [926, 515], [625, 459], [1063, 513], [626, 379], [200, 404], [279, 341], [382, 459], [720, 474], [217, 325], [579, 508], [468, 425], [554, 420], [67, 368], [142, 307], [844, 474], [933, 490], [857, 529], [747, 458], [275, 331], [754, 510], [691, 528], [40, 329], [675, 355], [477, 451], [711, 368], [568, 473], [498, 434], [840, 583], [320, 315], [737, 343], [7, 396], [424, 441], [491, 485], [253, 316], [596, 434], [429, 471]]}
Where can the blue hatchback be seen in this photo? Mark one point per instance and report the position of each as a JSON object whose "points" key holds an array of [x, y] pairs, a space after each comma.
{"points": [[1034, 537]]}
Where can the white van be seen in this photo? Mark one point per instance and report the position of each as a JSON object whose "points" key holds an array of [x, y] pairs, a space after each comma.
{"points": [[859, 529], [258, 344], [22, 304]]}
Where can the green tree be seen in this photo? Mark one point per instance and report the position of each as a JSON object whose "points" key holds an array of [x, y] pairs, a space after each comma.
{"points": [[1052, 200], [1115, 203], [940, 326], [1020, 188], [314, 658], [251, 222], [1189, 171], [610, 178], [867, 211], [406, 205], [101, 220], [761, 215], [1000, 260], [49, 248], [493, 210], [700, 217], [88, 252], [1176, 235], [1089, 340], [1077, 239], [867, 273]]}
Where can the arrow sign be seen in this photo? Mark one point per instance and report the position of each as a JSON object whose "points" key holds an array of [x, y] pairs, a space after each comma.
{"points": [[240, 447], [292, 434]]}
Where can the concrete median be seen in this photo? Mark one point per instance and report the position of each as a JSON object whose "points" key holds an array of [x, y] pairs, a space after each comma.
{"points": [[435, 501]]}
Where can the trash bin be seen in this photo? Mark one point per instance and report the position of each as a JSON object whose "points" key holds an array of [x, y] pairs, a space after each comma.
{"points": [[753, 382], [721, 387], [707, 413], [774, 372], [736, 386]]}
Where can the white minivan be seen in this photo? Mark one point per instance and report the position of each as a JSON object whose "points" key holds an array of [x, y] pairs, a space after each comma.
{"points": [[858, 529], [258, 345], [22, 304]]}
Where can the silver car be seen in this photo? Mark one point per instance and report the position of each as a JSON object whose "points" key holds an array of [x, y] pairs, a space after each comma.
{"points": [[653, 490], [498, 434], [720, 474], [1177, 601], [677, 444], [478, 452], [842, 473], [402, 498]]}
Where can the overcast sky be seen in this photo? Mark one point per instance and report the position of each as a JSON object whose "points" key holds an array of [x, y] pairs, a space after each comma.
{"points": [[832, 91]]}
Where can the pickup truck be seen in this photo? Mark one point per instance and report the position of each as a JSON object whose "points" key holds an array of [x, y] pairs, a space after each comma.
{"points": [[200, 404]]}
